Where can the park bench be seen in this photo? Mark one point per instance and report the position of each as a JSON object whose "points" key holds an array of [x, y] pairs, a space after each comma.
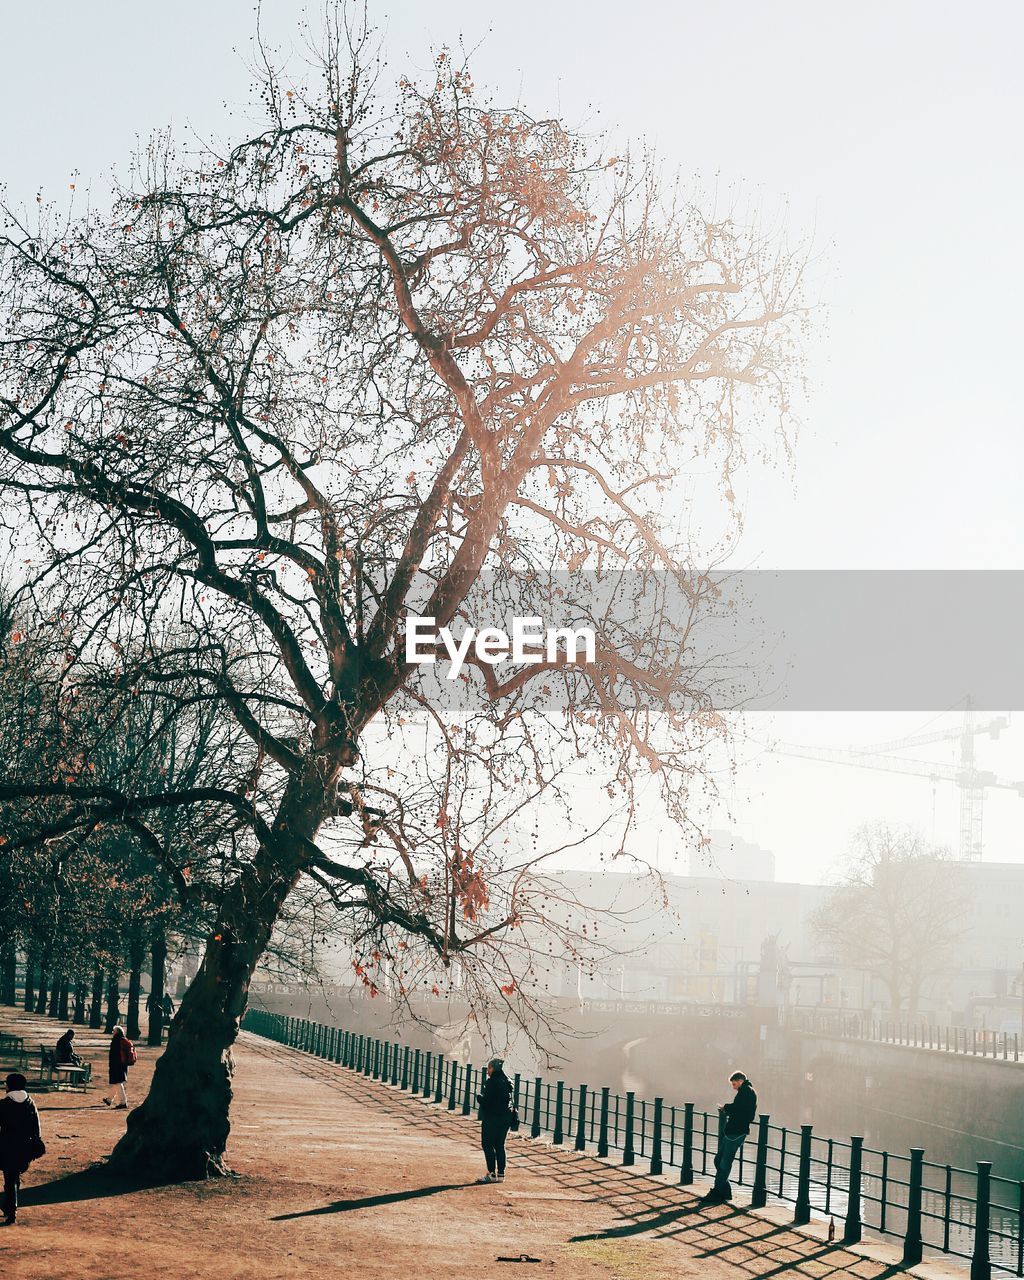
{"points": [[12, 1046], [62, 1075]]}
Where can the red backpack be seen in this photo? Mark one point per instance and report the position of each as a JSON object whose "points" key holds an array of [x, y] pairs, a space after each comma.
{"points": [[128, 1055]]}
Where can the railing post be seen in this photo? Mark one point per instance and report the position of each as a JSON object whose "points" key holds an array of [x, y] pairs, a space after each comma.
{"points": [[439, 1083], [467, 1095], [759, 1191], [602, 1127], [656, 1162], [628, 1153], [453, 1086], [581, 1121], [557, 1137], [686, 1165], [370, 1048], [385, 1065], [912, 1240], [405, 1066], [802, 1213], [854, 1227], [981, 1262], [427, 1067], [535, 1125]]}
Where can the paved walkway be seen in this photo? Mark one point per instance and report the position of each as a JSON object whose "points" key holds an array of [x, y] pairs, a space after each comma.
{"points": [[341, 1175]]}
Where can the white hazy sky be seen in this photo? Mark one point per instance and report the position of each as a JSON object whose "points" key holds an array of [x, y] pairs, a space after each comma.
{"points": [[888, 134]]}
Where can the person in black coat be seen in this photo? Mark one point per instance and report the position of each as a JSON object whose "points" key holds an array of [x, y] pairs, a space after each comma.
{"points": [[118, 1061], [66, 1055], [495, 1119], [738, 1116], [19, 1130]]}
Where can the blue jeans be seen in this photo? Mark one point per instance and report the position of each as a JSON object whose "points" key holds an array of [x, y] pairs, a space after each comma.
{"points": [[728, 1146]]}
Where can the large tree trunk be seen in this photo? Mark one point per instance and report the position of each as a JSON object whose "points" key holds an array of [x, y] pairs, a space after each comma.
{"points": [[113, 1001], [9, 974], [54, 1008], [156, 988], [133, 1028], [62, 999], [41, 994], [193, 1075], [79, 1012], [30, 980], [96, 1007]]}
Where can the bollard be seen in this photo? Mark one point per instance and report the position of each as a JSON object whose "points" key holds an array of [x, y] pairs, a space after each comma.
{"points": [[416, 1071], [981, 1262], [602, 1133], [628, 1154], [453, 1085], [535, 1126], [395, 1056], [656, 1162], [581, 1126], [378, 1054], [854, 1228], [428, 1066], [405, 1067], [912, 1240], [686, 1166], [439, 1084], [558, 1137], [467, 1094], [802, 1213], [759, 1191], [371, 1047], [385, 1066]]}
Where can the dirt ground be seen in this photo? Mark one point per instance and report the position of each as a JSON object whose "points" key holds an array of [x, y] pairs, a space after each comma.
{"points": [[341, 1175]]}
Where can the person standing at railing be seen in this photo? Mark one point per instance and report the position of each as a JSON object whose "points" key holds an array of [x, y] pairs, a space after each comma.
{"points": [[495, 1104], [738, 1116]]}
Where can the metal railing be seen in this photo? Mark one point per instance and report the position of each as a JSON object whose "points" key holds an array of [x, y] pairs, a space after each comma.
{"points": [[969, 1214], [910, 1035]]}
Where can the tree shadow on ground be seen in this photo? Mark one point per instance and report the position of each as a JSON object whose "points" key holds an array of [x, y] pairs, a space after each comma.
{"points": [[370, 1202], [97, 1183]]}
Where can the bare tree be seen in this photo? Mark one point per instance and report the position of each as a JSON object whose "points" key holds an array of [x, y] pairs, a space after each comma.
{"points": [[897, 913], [392, 354]]}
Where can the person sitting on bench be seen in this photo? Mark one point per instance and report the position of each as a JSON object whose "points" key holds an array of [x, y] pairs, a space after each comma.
{"points": [[66, 1056]]}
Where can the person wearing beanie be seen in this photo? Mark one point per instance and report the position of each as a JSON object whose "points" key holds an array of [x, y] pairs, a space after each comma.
{"points": [[737, 1117], [19, 1140], [495, 1119]]}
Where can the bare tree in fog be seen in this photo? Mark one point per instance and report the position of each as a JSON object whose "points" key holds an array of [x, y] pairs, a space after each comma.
{"points": [[287, 394], [898, 912]]}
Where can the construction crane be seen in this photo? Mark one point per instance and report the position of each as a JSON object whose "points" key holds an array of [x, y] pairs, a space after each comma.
{"points": [[972, 782]]}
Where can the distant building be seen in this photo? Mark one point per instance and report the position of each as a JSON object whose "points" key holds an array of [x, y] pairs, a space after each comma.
{"points": [[732, 858]]}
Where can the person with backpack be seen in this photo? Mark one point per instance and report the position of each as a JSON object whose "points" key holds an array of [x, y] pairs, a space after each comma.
{"points": [[497, 1116], [20, 1141], [737, 1117], [121, 1059]]}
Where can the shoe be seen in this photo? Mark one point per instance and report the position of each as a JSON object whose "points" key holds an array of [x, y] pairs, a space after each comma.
{"points": [[500, 1178], [106, 1102], [8, 1222], [121, 1106], [488, 1177]]}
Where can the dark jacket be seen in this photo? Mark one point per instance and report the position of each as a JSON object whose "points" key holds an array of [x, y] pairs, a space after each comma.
{"points": [[118, 1072], [739, 1114], [19, 1122], [496, 1100], [65, 1050]]}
